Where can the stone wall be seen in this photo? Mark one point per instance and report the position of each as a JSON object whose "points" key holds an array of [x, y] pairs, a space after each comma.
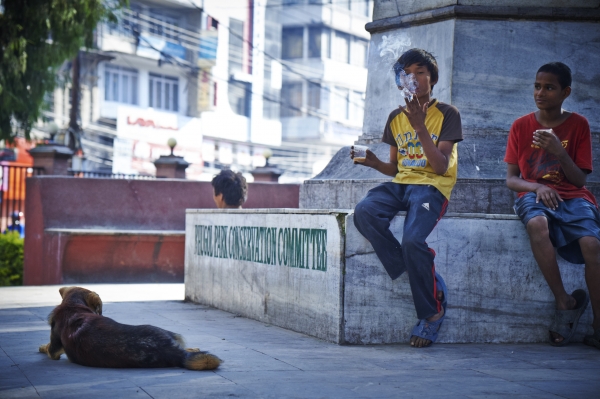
{"points": [[276, 275], [282, 267], [116, 230]]}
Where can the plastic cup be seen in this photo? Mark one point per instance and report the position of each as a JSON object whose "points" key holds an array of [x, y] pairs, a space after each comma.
{"points": [[360, 153]]}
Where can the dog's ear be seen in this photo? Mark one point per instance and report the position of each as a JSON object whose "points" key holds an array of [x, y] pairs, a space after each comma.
{"points": [[63, 291], [94, 302]]}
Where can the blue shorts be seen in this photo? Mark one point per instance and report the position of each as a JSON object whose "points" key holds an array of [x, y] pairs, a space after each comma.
{"points": [[573, 219]]}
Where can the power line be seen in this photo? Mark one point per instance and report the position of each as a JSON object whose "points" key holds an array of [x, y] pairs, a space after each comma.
{"points": [[282, 62], [292, 3], [246, 89]]}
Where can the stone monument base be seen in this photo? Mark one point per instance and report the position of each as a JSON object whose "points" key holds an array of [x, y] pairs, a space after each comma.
{"points": [[311, 271]]}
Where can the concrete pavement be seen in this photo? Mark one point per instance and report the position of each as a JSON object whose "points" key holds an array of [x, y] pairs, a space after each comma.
{"points": [[263, 361]]}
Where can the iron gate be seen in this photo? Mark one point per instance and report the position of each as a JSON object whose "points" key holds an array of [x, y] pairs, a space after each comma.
{"points": [[12, 192]]}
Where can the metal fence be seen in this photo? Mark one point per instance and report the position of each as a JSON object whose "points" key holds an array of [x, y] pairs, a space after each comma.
{"points": [[12, 192], [108, 175]]}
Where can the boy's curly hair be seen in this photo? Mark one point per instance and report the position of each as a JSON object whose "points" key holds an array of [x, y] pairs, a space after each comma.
{"points": [[232, 185], [420, 57]]}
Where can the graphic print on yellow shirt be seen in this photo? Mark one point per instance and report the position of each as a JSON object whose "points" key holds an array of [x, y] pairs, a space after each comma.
{"points": [[443, 124]]}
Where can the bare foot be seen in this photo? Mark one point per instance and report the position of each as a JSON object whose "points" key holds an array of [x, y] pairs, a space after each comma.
{"points": [[419, 342], [568, 303]]}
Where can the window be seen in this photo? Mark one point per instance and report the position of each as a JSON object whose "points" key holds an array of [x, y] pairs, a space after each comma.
{"points": [[236, 46], [239, 97], [359, 53], [361, 7], [345, 4], [340, 47], [120, 85], [339, 103], [291, 99], [357, 107], [314, 42], [314, 96], [164, 92], [163, 26], [292, 41]]}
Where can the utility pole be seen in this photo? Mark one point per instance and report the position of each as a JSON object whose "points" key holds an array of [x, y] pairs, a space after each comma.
{"points": [[74, 131]]}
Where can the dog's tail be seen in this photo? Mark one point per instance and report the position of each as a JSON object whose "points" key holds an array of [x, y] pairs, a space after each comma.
{"points": [[198, 360]]}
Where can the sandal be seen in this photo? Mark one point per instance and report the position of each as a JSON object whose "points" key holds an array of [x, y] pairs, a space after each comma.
{"points": [[565, 321], [429, 329]]}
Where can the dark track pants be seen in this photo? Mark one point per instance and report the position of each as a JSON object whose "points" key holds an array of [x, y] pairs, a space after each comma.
{"points": [[425, 206]]}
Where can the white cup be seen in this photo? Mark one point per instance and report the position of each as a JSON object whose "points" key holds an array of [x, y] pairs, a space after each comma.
{"points": [[360, 153]]}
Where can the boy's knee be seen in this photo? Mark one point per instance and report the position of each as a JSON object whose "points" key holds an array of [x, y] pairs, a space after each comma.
{"points": [[537, 227], [590, 245], [362, 210]]}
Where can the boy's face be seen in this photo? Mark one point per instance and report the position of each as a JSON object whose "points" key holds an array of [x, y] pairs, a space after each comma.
{"points": [[423, 77], [547, 92]]}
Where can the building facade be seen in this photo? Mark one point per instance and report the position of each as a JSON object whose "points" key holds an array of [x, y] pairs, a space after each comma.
{"points": [[227, 80], [325, 75], [170, 69]]}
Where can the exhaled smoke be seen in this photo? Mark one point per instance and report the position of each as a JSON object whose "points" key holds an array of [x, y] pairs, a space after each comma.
{"points": [[406, 83]]}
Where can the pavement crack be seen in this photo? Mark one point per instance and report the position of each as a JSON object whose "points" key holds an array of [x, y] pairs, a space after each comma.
{"points": [[146, 392], [279, 360], [222, 376]]}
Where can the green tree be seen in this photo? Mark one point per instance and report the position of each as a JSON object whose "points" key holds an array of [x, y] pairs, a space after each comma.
{"points": [[36, 37]]}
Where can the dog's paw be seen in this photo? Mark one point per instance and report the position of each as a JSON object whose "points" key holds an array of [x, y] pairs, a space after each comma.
{"points": [[193, 350], [202, 361], [44, 348]]}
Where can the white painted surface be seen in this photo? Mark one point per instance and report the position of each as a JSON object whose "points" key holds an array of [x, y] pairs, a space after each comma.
{"points": [[306, 300]]}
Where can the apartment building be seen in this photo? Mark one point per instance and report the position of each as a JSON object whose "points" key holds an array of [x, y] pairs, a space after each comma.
{"points": [[190, 70], [325, 76], [226, 79]]}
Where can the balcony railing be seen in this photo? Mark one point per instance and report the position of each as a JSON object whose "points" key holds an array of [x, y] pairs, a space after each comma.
{"points": [[108, 175], [156, 35]]}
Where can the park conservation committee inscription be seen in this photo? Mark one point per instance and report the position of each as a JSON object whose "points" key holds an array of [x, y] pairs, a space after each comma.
{"points": [[291, 247]]}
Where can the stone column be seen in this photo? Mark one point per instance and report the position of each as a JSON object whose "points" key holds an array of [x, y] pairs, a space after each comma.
{"points": [[171, 167], [54, 158], [267, 173], [488, 53]]}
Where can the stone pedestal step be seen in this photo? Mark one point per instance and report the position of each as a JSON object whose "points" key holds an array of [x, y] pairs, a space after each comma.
{"points": [[312, 272]]}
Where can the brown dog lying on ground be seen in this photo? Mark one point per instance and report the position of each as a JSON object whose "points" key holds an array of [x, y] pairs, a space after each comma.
{"points": [[90, 339]]}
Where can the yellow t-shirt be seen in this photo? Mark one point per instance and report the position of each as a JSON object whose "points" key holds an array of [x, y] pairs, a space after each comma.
{"points": [[443, 124]]}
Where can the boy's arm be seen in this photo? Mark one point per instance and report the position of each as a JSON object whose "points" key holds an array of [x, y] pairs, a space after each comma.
{"points": [[551, 144], [387, 168], [437, 156], [546, 194]]}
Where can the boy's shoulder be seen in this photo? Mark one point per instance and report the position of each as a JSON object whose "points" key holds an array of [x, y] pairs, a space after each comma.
{"points": [[578, 119], [395, 113], [529, 119], [445, 108], [525, 119]]}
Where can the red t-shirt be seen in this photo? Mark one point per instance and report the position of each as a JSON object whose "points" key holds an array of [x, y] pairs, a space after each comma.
{"points": [[538, 166]]}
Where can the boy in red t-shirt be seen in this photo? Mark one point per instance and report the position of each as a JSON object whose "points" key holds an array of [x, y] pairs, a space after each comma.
{"points": [[549, 155]]}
